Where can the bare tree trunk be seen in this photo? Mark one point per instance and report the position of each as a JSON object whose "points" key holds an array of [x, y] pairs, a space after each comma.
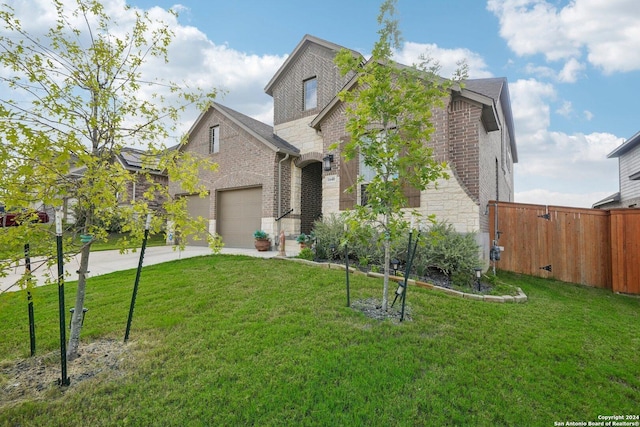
{"points": [[76, 319], [387, 258], [385, 290]]}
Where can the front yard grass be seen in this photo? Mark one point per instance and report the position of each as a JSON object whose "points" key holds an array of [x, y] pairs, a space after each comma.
{"points": [[232, 340]]}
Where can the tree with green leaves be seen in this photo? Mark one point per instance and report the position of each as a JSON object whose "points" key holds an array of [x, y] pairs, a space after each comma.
{"points": [[71, 100], [389, 121]]}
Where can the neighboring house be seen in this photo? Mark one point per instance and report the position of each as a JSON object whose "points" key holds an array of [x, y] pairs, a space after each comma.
{"points": [[628, 155], [135, 161], [266, 171], [132, 160]]}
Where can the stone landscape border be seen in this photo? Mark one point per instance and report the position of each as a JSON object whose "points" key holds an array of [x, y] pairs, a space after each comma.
{"points": [[520, 298]]}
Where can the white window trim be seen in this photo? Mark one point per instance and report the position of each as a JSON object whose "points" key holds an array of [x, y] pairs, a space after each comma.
{"points": [[309, 105], [214, 139]]}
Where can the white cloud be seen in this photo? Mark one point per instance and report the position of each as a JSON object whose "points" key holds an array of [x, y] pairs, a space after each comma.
{"points": [[566, 109], [608, 33], [529, 102], [533, 26], [194, 60], [554, 198], [588, 115], [571, 71], [568, 163], [447, 58], [541, 71]]}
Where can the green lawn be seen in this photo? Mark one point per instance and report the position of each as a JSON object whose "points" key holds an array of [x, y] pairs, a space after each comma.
{"points": [[153, 240], [230, 340]]}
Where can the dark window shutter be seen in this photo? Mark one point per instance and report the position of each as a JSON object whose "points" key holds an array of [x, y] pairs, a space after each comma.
{"points": [[348, 175], [411, 193]]}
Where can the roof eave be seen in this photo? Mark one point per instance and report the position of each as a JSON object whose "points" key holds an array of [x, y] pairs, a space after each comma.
{"points": [[489, 115], [626, 146]]}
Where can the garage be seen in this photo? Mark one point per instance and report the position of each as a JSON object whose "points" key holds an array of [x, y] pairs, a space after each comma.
{"points": [[198, 206], [239, 215]]}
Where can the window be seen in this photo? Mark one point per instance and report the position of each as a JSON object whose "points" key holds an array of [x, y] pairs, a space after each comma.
{"points": [[367, 173], [310, 93], [214, 139]]}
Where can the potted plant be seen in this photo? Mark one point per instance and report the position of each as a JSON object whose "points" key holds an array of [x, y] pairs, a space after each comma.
{"points": [[262, 242], [303, 239]]}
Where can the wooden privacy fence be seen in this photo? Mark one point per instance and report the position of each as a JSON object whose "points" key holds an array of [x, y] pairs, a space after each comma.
{"points": [[593, 247]]}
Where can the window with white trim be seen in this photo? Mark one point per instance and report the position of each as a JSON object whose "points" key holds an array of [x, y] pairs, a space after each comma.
{"points": [[310, 93], [214, 139]]}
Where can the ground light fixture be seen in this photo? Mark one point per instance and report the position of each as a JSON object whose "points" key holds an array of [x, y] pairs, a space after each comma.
{"points": [[478, 271], [395, 264]]}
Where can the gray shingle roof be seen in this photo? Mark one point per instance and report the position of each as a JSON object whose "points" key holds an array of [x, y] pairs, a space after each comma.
{"points": [[262, 130], [491, 87]]}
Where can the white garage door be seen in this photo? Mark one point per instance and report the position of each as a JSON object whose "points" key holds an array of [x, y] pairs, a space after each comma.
{"points": [[239, 215], [198, 206]]}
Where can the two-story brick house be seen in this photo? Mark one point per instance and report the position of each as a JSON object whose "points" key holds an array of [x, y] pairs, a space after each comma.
{"points": [[266, 171], [628, 155]]}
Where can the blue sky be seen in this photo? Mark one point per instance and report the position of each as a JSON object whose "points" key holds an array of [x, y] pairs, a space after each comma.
{"points": [[573, 67]]}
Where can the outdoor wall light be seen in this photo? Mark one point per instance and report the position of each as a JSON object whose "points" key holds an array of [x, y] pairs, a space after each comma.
{"points": [[326, 161], [478, 276], [395, 264]]}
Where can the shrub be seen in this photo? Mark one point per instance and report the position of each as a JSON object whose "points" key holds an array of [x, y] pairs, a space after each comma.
{"points": [[329, 232], [363, 245], [447, 251], [440, 248], [306, 253]]}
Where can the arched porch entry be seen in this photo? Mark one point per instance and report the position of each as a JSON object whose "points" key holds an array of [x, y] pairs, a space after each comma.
{"points": [[311, 190]]}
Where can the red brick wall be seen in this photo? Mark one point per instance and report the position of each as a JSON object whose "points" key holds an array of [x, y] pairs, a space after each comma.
{"points": [[464, 148], [312, 61], [242, 162]]}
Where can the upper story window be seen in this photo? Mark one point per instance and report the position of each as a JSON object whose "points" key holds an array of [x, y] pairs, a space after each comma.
{"points": [[310, 93], [214, 139]]}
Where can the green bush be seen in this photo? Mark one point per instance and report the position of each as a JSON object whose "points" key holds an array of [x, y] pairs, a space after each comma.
{"points": [[440, 248], [452, 253], [363, 245], [306, 253], [329, 232]]}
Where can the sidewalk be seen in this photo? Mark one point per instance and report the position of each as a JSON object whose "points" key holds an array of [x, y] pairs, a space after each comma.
{"points": [[104, 262]]}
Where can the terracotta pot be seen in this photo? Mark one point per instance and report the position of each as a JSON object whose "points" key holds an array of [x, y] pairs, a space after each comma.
{"points": [[262, 245]]}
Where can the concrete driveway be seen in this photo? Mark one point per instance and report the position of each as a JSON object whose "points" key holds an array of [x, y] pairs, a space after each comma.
{"points": [[103, 262]]}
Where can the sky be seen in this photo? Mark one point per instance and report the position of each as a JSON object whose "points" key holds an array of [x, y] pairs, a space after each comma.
{"points": [[573, 67]]}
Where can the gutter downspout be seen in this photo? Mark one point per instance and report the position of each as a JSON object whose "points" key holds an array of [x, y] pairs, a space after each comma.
{"points": [[279, 228]]}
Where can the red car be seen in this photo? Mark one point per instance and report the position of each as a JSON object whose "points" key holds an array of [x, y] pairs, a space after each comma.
{"points": [[10, 219]]}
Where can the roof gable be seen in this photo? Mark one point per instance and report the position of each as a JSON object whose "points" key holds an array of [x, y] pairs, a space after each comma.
{"points": [[497, 88], [260, 131], [291, 59]]}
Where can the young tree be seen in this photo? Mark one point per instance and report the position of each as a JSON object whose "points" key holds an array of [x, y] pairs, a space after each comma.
{"points": [[389, 112], [72, 99]]}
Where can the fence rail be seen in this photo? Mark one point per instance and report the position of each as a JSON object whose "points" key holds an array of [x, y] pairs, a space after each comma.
{"points": [[594, 247]]}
